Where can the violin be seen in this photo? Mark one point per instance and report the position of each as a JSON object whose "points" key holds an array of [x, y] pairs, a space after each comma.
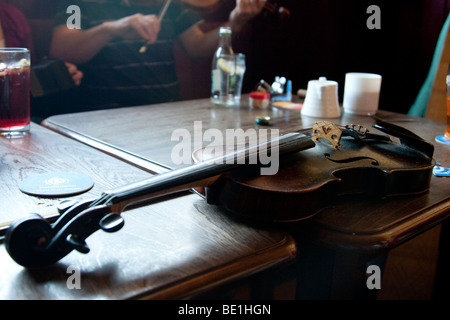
{"points": [[316, 166], [356, 163]]}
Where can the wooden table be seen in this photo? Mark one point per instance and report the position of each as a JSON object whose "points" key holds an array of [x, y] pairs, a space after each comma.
{"points": [[142, 136], [171, 249], [144, 133]]}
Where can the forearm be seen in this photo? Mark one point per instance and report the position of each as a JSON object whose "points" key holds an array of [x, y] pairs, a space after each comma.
{"points": [[199, 44], [79, 46], [244, 11]]}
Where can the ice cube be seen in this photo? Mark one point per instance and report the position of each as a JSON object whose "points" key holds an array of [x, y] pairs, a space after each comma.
{"points": [[22, 63]]}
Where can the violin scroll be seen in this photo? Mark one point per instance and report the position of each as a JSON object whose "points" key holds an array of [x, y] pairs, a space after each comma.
{"points": [[33, 242], [26, 241]]}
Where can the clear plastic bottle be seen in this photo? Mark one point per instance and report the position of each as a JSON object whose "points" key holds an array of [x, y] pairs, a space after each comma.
{"points": [[219, 89]]}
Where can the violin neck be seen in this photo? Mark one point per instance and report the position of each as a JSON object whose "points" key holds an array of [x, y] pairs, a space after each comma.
{"points": [[204, 173]]}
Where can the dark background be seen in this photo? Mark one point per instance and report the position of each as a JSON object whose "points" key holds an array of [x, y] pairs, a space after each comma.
{"points": [[330, 37], [321, 38]]}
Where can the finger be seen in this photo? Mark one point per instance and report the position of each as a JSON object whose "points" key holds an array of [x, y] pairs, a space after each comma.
{"points": [[77, 77], [148, 27], [260, 3], [257, 5], [71, 68], [251, 6]]}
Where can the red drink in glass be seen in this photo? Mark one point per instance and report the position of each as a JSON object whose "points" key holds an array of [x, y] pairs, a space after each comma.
{"points": [[14, 91]]}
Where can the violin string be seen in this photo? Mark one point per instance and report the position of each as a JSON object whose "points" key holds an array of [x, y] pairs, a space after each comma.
{"points": [[161, 15], [103, 199]]}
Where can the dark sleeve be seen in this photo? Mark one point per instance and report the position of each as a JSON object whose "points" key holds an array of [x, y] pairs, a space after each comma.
{"points": [[15, 27]]}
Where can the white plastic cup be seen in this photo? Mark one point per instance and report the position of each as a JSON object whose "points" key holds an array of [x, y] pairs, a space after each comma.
{"points": [[361, 93]]}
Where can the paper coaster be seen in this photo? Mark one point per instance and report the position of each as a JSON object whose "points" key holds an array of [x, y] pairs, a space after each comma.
{"points": [[56, 184], [288, 105]]}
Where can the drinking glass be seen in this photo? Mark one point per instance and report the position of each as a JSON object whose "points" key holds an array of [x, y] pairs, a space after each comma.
{"points": [[445, 138], [14, 92], [228, 80]]}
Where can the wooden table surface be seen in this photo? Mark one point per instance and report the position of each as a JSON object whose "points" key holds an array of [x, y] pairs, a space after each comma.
{"points": [[142, 136], [167, 250]]}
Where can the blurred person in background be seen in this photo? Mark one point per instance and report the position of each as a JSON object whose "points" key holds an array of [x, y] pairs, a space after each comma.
{"points": [[108, 45], [15, 32]]}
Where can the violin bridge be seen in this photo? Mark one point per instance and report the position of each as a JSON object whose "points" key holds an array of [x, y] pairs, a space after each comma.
{"points": [[328, 131]]}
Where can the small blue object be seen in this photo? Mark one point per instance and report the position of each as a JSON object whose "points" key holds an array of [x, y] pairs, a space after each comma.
{"points": [[443, 139], [288, 94], [441, 171]]}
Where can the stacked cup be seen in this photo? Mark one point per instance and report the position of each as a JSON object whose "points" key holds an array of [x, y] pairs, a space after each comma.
{"points": [[321, 99]]}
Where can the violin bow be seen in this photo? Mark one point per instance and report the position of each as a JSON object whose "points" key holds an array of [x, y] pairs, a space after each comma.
{"points": [[161, 15]]}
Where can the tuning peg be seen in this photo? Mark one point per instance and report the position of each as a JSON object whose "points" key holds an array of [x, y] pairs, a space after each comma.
{"points": [[78, 244], [64, 205], [112, 222]]}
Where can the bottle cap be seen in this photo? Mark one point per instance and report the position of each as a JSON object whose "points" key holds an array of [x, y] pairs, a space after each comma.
{"points": [[262, 120], [259, 95], [225, 30]]}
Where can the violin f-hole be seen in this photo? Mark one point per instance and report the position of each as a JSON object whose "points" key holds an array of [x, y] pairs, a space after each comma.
{"points": [[352, 159]]}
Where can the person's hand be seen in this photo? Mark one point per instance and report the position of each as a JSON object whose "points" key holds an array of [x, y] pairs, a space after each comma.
{"points": [[244, 11], [135, 26], [76, 74]]}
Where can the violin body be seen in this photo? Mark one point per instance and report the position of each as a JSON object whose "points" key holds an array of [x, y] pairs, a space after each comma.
{"points": [[309, 181]]}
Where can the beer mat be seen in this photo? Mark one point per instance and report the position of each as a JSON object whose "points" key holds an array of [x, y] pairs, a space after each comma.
{"points": [[56, 184], [288, 105], [439, 171], [443, 139]]}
